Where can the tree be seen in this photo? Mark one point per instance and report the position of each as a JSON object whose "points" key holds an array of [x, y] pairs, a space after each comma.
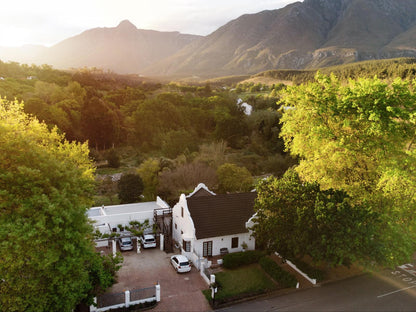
{"points": [[230, 121], [46, 244], [346, 136], [108, 188], [185, 178], [149, 172], [297, 218], [100, 123], [232, 178], [358, 137], [176, 142], [113, 159], [212, 154], [130, 188]]}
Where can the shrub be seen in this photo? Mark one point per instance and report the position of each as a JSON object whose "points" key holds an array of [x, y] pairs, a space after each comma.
{"points": [[285, 279], [113, 159], [234, 260]]}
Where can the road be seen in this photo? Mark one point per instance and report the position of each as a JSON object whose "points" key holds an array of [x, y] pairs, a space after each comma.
{"points": [[390, 290]]}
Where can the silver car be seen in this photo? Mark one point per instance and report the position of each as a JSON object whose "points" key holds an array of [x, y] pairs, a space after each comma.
{"points": [[125, 243]]}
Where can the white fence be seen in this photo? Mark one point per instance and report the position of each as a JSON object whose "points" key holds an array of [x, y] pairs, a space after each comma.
{"points": [[293, 266], [127, 298]]}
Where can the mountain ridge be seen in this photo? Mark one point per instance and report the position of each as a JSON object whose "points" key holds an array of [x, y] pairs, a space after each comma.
{"points": [[122, 49], [309, 34], [301, 35]]}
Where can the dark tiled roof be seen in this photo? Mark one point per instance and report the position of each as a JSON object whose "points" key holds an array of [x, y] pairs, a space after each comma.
{"points": [[219, 215]]}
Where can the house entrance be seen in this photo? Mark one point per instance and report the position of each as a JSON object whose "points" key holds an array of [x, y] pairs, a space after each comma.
{"points": [[207, 249]]}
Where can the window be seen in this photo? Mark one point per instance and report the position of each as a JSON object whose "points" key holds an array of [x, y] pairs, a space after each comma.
{"points": [[182, 212], [207, 249], [176, 226], [186, 245], [234, 242]]}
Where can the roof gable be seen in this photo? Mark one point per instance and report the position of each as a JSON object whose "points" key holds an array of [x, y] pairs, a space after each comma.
{"points": [[201, 190], [220, 215]]}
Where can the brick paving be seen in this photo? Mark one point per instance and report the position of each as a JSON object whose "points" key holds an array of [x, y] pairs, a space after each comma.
{"points": [[179, 292]]}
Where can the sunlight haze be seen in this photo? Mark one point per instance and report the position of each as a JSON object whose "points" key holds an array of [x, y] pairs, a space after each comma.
{"points": [[47, 22]]}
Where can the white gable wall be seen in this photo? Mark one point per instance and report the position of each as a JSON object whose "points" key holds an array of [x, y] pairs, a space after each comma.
{"points": [[183, 226]]}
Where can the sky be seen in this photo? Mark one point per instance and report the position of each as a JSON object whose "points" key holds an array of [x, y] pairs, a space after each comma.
{"points": [[47, 22]]}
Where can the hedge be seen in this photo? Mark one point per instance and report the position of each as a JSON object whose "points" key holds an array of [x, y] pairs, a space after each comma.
{"points": [[285, 279], [237, 259]]}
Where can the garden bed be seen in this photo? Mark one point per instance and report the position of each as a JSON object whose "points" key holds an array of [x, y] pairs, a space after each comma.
{"points": [[239, 283]]}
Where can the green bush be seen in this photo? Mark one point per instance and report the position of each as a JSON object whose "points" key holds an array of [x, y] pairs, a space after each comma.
{"points": [[234, 260], [285, 279], [113, 159]]}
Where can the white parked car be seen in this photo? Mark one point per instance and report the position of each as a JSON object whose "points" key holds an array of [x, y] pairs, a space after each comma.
{"points": [[180, 263], [148, 241], [125, 243]]}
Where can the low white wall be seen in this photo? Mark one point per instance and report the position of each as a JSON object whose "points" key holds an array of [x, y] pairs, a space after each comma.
{"points": [[101, 243], [293, 266], [124, 219], [127, 302]]}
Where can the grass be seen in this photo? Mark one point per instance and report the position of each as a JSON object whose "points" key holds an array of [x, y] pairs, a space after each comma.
{"points": [[243, 281]]}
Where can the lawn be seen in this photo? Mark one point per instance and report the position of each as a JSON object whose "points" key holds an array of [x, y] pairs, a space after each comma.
{"points": [[246, 280]]}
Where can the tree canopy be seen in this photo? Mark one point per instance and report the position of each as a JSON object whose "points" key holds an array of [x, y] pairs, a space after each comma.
{"points": [[358, 138], [48, 262], [232, 178], [348, 136], [297, 218], [130, 188]]}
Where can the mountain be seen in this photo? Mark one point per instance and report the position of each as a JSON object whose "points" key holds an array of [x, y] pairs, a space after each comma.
{"points": [[308, 34], [123, 49], [302, 35]]}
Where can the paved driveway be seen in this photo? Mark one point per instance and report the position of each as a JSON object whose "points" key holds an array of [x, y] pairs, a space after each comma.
{"points": [[179, 292]]}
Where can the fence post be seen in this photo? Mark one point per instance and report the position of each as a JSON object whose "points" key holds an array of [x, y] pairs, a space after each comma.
{"points": [[162, 241], [202, 268], [127, 298], [157, 292], [93, 307], [114, 247]]}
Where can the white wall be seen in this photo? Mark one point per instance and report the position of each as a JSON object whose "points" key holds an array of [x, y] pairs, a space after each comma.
{"points": [[124, 219], [225, 242], [184, 225]]}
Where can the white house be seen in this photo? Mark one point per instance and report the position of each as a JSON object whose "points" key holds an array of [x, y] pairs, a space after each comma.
{"points": [[206, 224], [107, 218]]}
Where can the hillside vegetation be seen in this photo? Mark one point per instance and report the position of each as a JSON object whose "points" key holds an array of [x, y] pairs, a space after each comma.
{"points": [[180, 134]]}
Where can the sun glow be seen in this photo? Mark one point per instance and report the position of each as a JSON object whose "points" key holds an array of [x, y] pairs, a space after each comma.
{"points": [[46, 22]]}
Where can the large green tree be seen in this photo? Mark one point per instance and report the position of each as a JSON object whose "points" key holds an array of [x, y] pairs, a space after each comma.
{"points": [[297, 218], [232, 178], [130, 188], [47, 262], [358, 137], [349, 136]]}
